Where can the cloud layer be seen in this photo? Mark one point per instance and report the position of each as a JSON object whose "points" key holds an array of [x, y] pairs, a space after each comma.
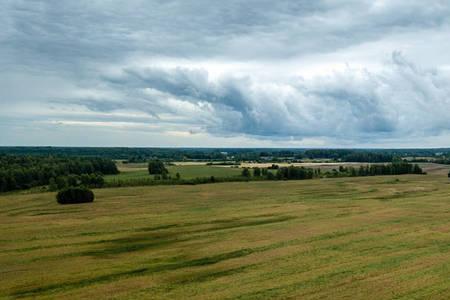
{"points": [[234, 73]]}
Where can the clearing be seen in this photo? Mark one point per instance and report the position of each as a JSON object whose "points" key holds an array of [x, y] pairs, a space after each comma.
{"points": [[362, 237]]}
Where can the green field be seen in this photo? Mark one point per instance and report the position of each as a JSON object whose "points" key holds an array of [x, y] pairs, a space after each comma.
{"points": [[347, 238], [139, 171]]}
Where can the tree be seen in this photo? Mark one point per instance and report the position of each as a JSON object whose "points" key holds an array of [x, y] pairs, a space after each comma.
{"points": [[72, 180], [3, 183], [177, 176], [245, 172], [52, 186], [293, 172], [156, 167], [61, 182], [256, 172], [96, 180], [85, 179], [417, 169]]}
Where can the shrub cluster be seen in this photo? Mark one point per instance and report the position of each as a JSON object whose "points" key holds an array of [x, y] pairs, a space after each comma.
{"points": [[74, 195]]}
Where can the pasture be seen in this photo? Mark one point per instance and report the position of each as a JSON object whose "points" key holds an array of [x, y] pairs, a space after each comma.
{"points": [[139, 171], [382, 237]]}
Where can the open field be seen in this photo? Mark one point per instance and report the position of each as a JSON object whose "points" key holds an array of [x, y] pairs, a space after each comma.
{"points": [[189, 171], [131, 167], [365, 237], [139, 171]]}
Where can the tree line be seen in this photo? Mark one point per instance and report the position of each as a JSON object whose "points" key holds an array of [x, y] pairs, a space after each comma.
{"points": [[350, 155], [24, 172], [227, 154], [395, 168], [275, 172]]}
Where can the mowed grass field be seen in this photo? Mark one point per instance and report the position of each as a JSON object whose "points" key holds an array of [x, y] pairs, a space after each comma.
{"points": [[345, 238], [139, 171]]}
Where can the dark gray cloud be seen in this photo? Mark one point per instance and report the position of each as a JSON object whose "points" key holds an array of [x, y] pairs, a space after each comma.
{"points": [[272, 70], [356, 104], [63, 31]]}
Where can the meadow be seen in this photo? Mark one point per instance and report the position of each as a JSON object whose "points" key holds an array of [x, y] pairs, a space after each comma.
{"points": [[130, 172], [382, 237]]}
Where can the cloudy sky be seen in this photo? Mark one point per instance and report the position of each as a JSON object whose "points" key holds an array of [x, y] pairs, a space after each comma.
{"points": [[235, 73]]}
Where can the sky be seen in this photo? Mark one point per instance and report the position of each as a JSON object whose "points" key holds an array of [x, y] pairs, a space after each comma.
{"points": [[235, 73]]}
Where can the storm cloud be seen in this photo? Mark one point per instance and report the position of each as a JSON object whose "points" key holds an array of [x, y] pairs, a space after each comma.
{"points": [[239, 73]]}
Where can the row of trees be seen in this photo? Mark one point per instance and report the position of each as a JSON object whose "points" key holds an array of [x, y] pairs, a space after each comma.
{"points": [[349, 155], [23, 172], [395, 168], [226, 154], [282, 173], [292, 172]]}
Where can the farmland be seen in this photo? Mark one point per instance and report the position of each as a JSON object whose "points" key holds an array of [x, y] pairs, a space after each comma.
{"points": [[139, 171], [135, 172], [373, 237]]}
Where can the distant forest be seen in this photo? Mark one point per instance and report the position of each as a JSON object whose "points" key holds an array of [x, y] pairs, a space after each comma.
{"points": [[24, 171], [133, 155]]}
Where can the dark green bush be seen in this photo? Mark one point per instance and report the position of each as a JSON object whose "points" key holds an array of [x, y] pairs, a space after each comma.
{"points": [[156, 167], [246, 172], [73, 195]]}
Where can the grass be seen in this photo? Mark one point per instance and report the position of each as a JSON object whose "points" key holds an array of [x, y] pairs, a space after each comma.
{"points": [[139, 171], [359, 238]]}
